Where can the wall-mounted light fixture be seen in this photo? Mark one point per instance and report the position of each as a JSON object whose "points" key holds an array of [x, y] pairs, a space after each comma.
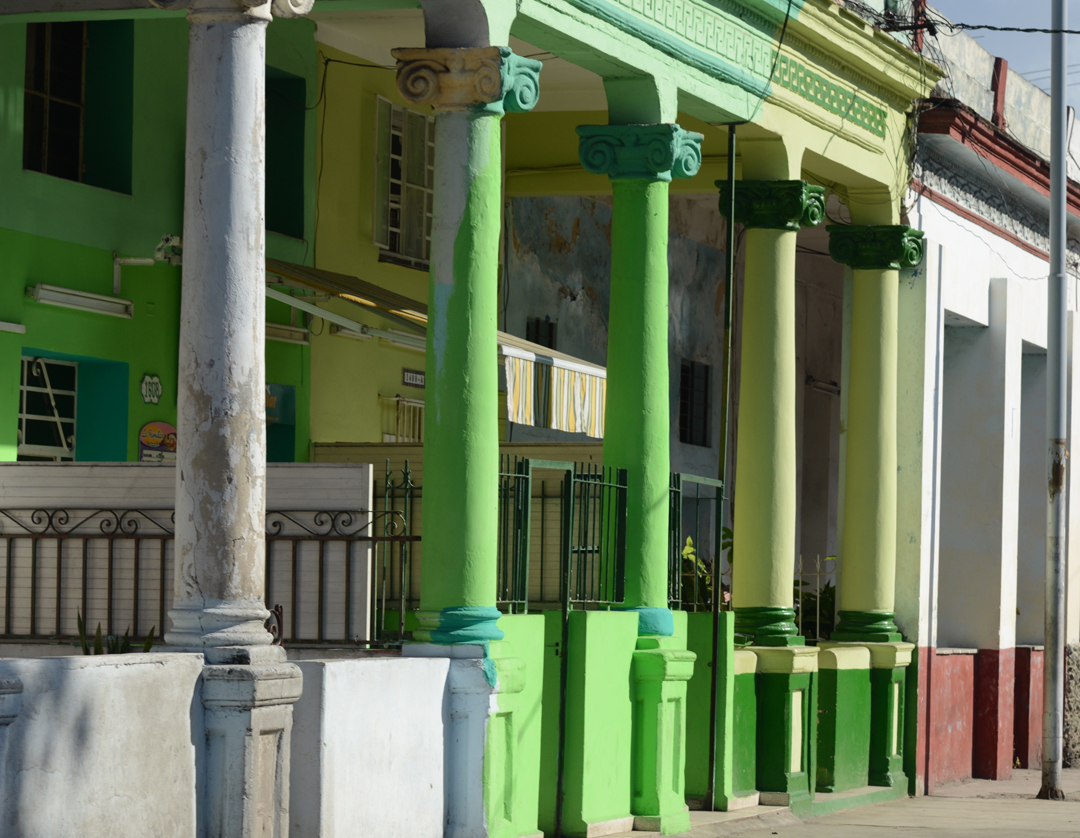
{"points": [[81, 300]]}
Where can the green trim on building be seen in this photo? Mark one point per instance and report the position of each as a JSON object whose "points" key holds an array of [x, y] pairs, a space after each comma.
{"points": [[881, 247], [744, 744], [869, 626], [767, 626], [888, 698], [774, 204]]}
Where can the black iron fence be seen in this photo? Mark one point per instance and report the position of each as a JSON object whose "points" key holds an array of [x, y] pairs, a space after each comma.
{"points": [[696, 544], [115, 567]]}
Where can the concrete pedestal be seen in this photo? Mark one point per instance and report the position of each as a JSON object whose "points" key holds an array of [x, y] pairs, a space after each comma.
{"points": [[786, 723], [844, 701], [661, 670]]}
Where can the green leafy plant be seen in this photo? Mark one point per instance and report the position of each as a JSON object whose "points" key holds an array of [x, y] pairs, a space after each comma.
{"points": [[808, 606], [694, 567], [110, 644]]}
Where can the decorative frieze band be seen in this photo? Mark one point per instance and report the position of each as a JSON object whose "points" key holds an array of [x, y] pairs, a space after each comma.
{"points": [[774, 204], [482, 79], [879, 247], [640, 152]]}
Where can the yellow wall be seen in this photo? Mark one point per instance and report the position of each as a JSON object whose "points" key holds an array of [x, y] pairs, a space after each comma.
{"points": [[347, 375]]}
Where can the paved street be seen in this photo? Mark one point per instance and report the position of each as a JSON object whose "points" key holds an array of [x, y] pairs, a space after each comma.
{"points": [[973, 809]]}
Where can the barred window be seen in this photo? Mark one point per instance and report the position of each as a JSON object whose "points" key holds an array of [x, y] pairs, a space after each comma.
{"points": [[541, 330], [47, 410], [694, 403], [404, 178]]}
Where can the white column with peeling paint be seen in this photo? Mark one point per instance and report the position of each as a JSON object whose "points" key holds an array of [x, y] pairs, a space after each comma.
{"points": [[248, 688], [221, 453]]}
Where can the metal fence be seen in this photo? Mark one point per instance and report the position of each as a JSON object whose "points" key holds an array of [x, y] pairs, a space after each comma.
{"points": [[115, 567], [696, 545], [815, 597]]}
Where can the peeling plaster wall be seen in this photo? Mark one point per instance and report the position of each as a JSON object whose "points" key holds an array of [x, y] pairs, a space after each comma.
{"points": [[558, 265]]}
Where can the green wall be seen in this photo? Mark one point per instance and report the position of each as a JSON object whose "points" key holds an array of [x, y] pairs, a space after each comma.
{"points": [[60, 232]]}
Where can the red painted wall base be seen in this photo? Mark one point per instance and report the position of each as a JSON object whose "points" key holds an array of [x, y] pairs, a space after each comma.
{"points": [[995, 679], [951, 718], [1027, 740]]}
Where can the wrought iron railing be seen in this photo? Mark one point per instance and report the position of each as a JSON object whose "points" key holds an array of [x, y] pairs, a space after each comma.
{"points": [[515, 525], [695, 544], [115, 567], [815, 597]]}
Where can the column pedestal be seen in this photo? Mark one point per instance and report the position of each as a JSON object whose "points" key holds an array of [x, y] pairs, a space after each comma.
{"points": [[248, 718], [844, 710], [661, 670], [786, 723]]}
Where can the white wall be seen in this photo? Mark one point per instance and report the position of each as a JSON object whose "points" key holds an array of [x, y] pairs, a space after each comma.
{"points": [[103, 746], [1031, 540], [367, 748]]}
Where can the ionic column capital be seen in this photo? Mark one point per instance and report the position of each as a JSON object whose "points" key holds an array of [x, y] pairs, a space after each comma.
{"points": [[774, 204], [479, 79], [640, 152], [239, 10], [880, 247]]}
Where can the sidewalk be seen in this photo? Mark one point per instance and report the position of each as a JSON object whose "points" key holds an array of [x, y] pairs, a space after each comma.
{"points": [[971, 809]]}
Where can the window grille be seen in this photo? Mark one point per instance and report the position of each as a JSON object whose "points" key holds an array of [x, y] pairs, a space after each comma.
{"points": [[403, 419], [404, 178], [54, 97], [541, 330], [694, 403], [47, 410]]}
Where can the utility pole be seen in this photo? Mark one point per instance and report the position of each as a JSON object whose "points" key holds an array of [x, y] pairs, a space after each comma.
{"points": [[1057, 455]]}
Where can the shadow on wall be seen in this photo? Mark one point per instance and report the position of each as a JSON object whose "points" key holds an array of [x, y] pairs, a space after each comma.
{"points": [[111, 742]]}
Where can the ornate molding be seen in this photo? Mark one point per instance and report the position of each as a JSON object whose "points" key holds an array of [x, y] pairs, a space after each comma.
{"points": [[774, 204], [880, 247], [480, 79], [640, 152], [835, 98]]}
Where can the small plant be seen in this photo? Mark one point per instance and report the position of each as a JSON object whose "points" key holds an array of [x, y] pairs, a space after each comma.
{"points": [[110, 644], [693, 567]]}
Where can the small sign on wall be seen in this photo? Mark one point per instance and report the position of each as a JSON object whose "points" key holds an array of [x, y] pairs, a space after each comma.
{"points": [[150, 389], [412, 378], [157, 443]]}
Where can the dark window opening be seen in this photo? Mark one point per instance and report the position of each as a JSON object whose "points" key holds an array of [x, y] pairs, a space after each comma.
{"points": [[694, 403], [541, 331], [286, 97], [78, 101]]}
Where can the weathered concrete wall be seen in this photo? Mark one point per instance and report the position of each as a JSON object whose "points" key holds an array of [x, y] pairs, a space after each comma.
{"points": [[103, 746], [558, 266], [368, 748]]}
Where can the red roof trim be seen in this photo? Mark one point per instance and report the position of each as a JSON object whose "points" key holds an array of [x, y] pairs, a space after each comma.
{"points": [[948, 117], [975, 218]]}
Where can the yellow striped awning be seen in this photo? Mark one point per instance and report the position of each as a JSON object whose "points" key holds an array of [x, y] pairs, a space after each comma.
{"points": [[544, 388]]}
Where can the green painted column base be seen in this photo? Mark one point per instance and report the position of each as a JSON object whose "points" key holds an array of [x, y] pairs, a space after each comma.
{"points": [[786, 724], [767, 626], [744, 727], [662, 667], [844, 695], [887, 704], [867, 626]]}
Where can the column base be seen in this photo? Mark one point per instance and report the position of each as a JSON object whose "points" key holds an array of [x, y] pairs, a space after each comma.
{"points": [[464, 625], [661, 670], [248, 719], [786, 714], [888, 672], [767, 626], [867, 627]]}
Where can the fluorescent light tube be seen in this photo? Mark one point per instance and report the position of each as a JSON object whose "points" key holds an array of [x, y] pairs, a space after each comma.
{"points": [[288, 334], [342, 332], [81, 300]]}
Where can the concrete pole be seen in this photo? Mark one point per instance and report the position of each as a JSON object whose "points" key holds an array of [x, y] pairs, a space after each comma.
{"points": [[868, 578], [772, 211], [469, 89], [641, 161], [1056, 423], [221, 458]]}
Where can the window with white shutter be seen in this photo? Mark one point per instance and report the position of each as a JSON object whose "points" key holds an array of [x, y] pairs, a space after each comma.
{"points": [[404, 177]]}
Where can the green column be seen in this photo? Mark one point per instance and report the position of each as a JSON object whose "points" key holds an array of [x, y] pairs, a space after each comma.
{"points": [[469, 90], [868, 571], [764, 526], [641, 160]]}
